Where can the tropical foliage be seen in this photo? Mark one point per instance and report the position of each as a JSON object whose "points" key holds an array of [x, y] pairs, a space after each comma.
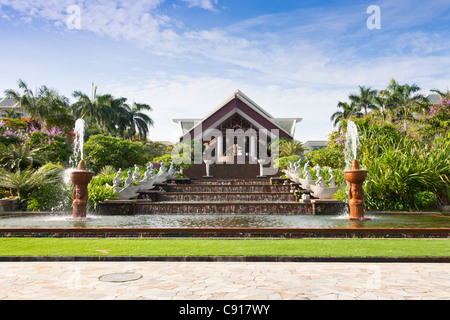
{"points": [[22, 182], [33, 140], [404, 144], [101, 150]]}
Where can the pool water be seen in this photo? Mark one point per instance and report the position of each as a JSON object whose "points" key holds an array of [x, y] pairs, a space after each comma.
{"points": [[225, 221]]}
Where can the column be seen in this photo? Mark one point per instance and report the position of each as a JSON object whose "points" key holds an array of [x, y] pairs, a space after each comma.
{"points": [[253, 152], [219, 149]]}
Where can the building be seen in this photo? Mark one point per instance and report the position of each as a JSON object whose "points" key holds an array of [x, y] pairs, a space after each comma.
{"points": [[314, 145], [238, 131], [10, 104]]}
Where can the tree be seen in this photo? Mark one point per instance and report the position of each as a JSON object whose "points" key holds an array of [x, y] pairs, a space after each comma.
{"points": [[140, 122], [94, 110], [348, 110], [405, 99], [291, 148], [363, 99], [45, 105]]}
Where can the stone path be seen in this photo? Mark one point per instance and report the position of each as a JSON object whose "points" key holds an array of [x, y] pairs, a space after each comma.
{"points": [[225, 281]]}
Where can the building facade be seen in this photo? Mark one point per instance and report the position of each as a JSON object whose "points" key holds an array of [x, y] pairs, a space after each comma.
{"points": [[237, 132]]}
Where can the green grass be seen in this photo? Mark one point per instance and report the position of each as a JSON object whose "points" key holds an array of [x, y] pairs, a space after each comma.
{"points": [[210, 247]]}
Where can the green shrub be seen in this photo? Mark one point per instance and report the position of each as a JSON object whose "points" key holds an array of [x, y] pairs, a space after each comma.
{"points": [[53, 197], [56, 147], [327, 157], [99, 193], [283, 162], [425, 199], [102, 150], [400, 167]]}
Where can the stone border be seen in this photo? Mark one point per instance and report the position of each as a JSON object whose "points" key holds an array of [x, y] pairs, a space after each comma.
{"points": [[281, 259], [244, 233]]}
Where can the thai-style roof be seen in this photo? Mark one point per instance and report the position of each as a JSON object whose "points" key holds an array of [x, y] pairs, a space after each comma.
{"points": [[245, 107]]}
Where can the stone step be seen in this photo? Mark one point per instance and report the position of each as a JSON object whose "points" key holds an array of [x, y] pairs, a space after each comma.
{"points": [[231, 182], [132, 207], [225, 188], [220, 196]]}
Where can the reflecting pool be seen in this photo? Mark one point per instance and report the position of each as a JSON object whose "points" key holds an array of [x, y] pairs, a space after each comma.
{"points": [[226, 221]]}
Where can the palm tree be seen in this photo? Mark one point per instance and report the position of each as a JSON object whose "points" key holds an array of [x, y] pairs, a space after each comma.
{"points": [[348, 110], [291, 148], [364, 99], [139, 121], [404, 97], [117, 116], [384, 104], [95, 109], [44, 105]]}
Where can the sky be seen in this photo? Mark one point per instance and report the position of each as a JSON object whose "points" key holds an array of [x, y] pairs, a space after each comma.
{"points": [[296, 59]]}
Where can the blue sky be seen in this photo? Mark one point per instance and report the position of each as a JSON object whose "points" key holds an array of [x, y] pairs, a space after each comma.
{"points": [[184, 57]]}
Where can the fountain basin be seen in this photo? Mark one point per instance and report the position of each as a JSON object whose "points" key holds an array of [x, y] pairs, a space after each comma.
{"points": [[356, 176], [286, 226], [81, 177]]}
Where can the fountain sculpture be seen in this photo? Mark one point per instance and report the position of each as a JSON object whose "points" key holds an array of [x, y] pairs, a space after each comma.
{"points": [[80, 177], [320, 189], [136, 183], [354, 176]]}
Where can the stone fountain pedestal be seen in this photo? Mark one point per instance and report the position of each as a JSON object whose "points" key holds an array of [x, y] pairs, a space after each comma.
{"points": [[356, 178], [80, 179]]}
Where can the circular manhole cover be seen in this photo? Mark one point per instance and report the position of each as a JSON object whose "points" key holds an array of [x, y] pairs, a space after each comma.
{"points": [[120, 277]]}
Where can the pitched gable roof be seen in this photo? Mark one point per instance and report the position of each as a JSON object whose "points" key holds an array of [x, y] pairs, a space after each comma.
{"points": [[239, 103]]}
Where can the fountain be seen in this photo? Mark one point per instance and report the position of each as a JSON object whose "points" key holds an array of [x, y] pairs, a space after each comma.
{"points": [[80, 177], [355, 177]]}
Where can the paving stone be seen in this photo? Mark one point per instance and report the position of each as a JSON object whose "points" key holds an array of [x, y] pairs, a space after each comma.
{"points": [[223, 280]]}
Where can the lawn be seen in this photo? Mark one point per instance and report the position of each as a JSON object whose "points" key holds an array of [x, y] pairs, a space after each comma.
{"points": [[213, 247]]}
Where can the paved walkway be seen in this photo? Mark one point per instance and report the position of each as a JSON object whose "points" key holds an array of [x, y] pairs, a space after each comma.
{"points": [[224, 281]]}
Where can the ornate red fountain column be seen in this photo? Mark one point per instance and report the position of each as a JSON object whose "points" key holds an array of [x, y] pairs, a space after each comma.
{"points": [[80, 178], [356, 178]]}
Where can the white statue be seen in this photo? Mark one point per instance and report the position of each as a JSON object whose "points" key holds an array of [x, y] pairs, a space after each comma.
{"points": [[306, 173], [136, 175], [117, 180], [306, 197], [321, 191], [129, 181], [172, 173], [332, 180], [321, 182], [148, 174]]}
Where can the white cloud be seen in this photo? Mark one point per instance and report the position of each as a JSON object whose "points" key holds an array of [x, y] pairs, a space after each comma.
{"points": [[295, 64], [204, 4]]}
